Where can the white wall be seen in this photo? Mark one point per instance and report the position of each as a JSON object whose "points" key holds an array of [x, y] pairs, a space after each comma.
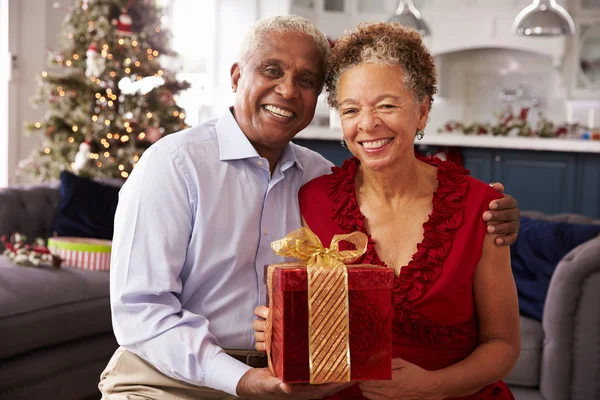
{"points": [[234, 18], [34, 25]]}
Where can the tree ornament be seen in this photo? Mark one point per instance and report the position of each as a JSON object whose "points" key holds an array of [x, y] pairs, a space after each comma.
{"points": [[153, 134], [95, 62], [82, 158], [50, 130], [124, 24]]}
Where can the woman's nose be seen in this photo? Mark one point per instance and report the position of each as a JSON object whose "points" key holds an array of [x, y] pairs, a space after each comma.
{"points": [[368, 121]]}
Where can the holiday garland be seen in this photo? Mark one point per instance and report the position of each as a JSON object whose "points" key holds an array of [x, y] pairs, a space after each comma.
{"points": [[29, 255], [509, 124]]}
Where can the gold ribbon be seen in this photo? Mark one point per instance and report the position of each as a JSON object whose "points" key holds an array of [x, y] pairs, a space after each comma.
{"points": [[328, 309]]}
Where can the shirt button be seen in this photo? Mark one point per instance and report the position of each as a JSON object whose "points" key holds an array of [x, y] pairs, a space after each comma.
{"points": [[266, 231], [260, 162]]}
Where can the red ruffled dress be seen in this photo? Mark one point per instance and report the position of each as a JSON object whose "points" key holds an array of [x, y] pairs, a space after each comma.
{"points": [[434, 324]]}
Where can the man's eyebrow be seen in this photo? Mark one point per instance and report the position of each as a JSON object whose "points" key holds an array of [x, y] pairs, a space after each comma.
{"points": [[307, 71], [270, 61]]}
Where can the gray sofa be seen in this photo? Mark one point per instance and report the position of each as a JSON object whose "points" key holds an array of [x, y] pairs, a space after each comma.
{"points": [[57, 334], [55, 324], [560, 357]]}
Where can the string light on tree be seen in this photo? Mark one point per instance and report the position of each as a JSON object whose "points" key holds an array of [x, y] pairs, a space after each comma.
{"points": [[129, 46]]}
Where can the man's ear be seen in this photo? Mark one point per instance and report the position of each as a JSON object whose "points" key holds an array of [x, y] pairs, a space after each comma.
{"points": [[235, 72]]}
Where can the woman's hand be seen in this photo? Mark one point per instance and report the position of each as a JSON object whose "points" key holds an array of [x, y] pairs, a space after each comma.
{"points": [[409, 382], [259, 325]]}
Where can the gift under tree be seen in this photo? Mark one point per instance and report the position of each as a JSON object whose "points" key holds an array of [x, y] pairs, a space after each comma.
{"points": [[107, 95]]}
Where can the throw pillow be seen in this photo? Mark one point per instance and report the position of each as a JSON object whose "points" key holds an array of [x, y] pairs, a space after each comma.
{"points": [[87, 208], [538, 250]]}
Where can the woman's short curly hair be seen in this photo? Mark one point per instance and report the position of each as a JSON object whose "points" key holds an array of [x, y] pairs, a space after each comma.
{"points": [[384, 43]]}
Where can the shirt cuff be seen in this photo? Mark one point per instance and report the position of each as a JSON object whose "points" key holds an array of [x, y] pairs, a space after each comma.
{"points": [[224, 373]]}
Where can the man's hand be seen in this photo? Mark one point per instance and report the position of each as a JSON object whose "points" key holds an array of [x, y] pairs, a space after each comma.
{"points": [[503, 217], [260, 383], [259, 327]]}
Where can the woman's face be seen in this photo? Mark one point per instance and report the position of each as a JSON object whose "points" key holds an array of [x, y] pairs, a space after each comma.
{"points": [[379, 115]]}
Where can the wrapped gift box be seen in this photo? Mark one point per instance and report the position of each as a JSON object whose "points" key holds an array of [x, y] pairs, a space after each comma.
{"points": [[85, 253], [369, 321]]}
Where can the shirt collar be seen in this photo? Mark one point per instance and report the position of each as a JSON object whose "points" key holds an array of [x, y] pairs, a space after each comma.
{"points": [[234, 145]]}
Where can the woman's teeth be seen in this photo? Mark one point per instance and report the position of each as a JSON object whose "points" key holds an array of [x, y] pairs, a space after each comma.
{"points": [[278, 112], [376, 144]]}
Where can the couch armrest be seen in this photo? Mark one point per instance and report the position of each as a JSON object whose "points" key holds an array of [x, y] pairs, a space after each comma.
{"points": [[28, 209], [571, 322]]}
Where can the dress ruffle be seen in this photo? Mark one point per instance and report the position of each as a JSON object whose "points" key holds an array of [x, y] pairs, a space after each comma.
{"points": [[427, 263]]}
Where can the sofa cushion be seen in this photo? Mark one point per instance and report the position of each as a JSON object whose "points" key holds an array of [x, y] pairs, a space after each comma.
{"points": [[527, 370], [29, 210], [539, 248], [87, 208], [43, 306]]}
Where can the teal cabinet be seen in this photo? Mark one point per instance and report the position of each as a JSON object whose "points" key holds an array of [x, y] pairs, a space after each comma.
{"points": [[480, 162], [541, 181], [587, 196]]}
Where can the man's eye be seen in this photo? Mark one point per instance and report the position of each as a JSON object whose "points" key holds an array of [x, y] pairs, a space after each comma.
{"points": [[307, 82], [387, 106], [348, 111], [272, 71]]}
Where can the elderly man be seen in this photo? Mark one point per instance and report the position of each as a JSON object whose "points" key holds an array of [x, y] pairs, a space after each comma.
{"points": [[194, 225]]}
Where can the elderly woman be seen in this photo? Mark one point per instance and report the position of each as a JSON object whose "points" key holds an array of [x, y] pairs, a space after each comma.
{"points": [[456, 324]]}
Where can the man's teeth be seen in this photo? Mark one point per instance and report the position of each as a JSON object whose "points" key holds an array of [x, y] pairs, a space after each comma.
{"points": [[278, 111], [375, 144]]}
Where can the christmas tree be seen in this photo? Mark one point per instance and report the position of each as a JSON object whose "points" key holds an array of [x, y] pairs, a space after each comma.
{"points": [[107, 95]]}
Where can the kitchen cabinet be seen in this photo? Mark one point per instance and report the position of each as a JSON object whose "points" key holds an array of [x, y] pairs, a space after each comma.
{"points": [[586, 60], [540, 181], [547, 181], [585, 54], [590, 6]]}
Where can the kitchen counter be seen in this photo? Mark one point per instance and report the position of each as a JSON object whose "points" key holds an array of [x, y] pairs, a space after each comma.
{"points": [[460, 140]]}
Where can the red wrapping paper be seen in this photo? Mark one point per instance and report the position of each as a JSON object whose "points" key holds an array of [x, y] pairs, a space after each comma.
{"points": [[370, 322]]}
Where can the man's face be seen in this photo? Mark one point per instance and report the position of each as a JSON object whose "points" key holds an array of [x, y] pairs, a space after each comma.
{"points": [[277, 89]]}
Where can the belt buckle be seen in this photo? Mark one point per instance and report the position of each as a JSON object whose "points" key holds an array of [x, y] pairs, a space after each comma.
{"points": [[255, 360]]}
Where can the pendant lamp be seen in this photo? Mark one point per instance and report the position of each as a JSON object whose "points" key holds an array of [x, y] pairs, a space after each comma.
{"points": [[543, 18]]}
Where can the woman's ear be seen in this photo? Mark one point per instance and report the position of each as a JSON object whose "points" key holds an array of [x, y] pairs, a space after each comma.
{"points": [[235, 72], [423, 112]]}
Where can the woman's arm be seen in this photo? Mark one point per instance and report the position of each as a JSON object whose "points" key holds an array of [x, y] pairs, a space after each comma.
{"points": [[497, 312]]}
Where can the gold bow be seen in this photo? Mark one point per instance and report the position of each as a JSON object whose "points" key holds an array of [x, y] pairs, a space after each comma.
{"points": [[328, 309]]}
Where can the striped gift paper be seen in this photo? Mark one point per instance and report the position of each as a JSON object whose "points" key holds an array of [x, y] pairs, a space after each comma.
{"points": [[85, 253]]}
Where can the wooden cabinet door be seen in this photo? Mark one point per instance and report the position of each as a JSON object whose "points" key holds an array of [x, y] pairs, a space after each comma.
{"points": [[587, 200], [540, 181], [480, 162]]}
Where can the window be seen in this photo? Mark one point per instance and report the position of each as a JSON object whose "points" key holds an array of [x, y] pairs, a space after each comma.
{"points": [[192, 25]]}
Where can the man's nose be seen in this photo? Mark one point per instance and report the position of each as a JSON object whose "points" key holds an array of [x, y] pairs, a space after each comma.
{"points": [[287, 88]]}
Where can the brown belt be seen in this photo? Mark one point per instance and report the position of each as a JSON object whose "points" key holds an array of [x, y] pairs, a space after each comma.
{"points": [[254, 359]]}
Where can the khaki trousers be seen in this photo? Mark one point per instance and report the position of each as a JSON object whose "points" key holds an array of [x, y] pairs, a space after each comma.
{"points": [[128, 377]]}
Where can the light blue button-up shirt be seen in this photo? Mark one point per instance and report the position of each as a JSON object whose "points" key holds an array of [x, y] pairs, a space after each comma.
{"points": [[192, 237]]}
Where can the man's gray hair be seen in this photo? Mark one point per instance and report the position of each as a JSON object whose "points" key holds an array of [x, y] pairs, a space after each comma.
{"points": [[282, 24]]}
